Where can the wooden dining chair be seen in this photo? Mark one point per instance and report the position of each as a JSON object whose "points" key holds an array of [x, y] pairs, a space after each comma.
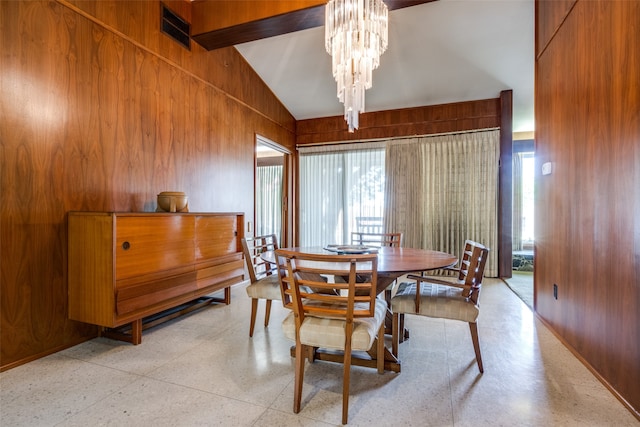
{"points": [[376, 239], [263, 275], [347, 321], [393, 240], [370, 224], [433, 297]]}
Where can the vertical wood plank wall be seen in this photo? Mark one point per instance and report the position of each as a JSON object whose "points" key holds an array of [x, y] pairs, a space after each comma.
{"points": [[587, 101], [99, 111]]}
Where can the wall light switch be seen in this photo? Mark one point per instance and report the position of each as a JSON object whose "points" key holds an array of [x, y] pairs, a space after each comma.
{"points": [[546, 168]]}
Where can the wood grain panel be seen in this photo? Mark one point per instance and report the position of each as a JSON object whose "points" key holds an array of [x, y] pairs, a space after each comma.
{"points": [[85, 235], [455, 117], [140, 249], [587, 211], [224, 70], [549, 17], [144, 295], [217, 236], [231, 271], [100, 112]]}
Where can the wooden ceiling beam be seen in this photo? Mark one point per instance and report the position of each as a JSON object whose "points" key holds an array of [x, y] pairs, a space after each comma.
{"points": [[222, 23]]}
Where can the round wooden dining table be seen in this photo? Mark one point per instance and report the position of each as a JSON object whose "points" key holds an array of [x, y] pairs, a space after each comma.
{"points": [[392, 264]]}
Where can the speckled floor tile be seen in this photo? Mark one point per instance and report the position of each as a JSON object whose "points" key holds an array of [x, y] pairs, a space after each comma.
{"points": [[149, 402], [49, 390], [254, 371], [204, 370]]}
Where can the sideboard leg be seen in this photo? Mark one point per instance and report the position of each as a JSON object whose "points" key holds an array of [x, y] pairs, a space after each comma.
{"points": [[136, 331]]}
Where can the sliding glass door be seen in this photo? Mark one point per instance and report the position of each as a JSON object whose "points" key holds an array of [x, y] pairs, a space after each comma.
{"points": [[337, 190], [523, 204]]}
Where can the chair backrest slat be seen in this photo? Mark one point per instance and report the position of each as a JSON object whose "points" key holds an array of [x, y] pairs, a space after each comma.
{"points": [[253, 248], [300, 272], [369, 224], [376, 239], [474, 259]]}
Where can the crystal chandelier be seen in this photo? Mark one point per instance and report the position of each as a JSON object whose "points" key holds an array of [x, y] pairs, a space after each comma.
{"points": [[356, 34]]}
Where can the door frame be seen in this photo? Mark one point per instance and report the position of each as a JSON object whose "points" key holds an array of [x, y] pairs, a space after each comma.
{"points": [[287, 187]]}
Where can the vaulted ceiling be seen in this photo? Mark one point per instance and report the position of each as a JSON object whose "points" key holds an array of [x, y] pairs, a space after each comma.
{"points": [[439, 52]]}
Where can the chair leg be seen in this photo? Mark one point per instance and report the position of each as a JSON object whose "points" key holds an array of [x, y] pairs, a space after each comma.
{"points": [[473, 327], [401, 329], [345, 382], [254, 310], [395, 328], [267, 313], [299, 378], [380, 350]]}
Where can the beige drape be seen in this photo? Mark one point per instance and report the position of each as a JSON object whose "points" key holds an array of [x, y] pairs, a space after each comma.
{"points": [[441, 190]]}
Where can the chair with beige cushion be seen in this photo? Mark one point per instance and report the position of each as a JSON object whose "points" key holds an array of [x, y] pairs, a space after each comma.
{"points": [[263, 275], [347, 321], [456, 300]]}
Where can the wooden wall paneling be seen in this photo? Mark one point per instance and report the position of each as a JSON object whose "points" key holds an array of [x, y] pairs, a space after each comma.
{"points": [[95, 118], [224, 69], [30, 140], [587, 126], [549, 16], [453, 117]]}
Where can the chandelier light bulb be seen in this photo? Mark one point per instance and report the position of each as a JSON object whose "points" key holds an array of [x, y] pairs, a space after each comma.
{"points": [[356, 35]]}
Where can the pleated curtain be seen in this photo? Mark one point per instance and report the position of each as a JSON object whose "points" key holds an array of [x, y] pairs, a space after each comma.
{"points": [[441, 190]]}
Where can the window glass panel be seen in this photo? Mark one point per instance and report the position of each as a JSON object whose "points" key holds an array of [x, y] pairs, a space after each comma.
{"points": [[336, 188], [528, 168]]}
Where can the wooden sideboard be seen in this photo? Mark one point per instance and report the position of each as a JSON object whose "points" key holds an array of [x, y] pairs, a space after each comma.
{"points": [[126, 267]]}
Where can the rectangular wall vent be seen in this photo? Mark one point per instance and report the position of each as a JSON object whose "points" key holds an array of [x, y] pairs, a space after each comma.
{"points": [[176, 27]]}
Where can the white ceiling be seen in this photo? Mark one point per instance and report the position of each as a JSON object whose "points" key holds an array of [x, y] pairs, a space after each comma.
{"points": [[439, 52]]}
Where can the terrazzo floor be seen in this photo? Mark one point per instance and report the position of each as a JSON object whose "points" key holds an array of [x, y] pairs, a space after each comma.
{"points": [[204, 370], [521, 282]]}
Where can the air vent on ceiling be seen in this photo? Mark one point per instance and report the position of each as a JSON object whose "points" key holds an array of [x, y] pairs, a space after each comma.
{"points": [[175, 27]]}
